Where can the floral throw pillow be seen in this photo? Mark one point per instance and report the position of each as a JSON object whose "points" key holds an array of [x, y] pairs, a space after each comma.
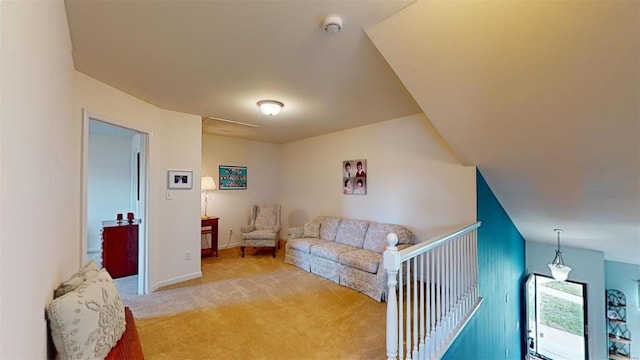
{"points": [[311, 230], [88, 272], [88, 321]]}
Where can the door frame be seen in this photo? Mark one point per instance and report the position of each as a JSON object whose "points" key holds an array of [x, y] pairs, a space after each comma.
{"points": [[585, 311], [143, 249]]}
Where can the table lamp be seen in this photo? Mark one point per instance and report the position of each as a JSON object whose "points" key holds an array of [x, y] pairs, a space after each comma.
{"points": [[206, 184]]}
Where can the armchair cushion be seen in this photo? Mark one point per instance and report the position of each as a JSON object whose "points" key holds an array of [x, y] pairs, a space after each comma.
{"points": [[311, 230], [260, 235]]}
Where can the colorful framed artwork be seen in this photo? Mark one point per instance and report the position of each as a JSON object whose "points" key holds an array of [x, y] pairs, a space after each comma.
{"points": [[354, 177], [232, 177]]}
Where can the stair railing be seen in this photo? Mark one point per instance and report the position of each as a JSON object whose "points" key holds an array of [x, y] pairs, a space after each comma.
{"points": [[432, 293]]}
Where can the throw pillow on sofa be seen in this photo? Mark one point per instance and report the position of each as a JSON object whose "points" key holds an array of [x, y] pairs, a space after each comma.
{"points": [[88, 272], [311, 230], [88, 321]]}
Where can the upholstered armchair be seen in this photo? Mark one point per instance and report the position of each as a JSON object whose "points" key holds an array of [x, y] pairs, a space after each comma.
{"points": [[264, 228]]}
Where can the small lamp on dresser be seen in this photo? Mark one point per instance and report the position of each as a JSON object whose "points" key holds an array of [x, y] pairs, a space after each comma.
{"points": [[206, 184]]}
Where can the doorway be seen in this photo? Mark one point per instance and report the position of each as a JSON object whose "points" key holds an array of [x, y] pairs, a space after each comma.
{"points": [[114, 182], [556, 314]]}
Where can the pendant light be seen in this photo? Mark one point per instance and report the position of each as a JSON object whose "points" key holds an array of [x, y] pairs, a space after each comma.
{"points": [[559, 270]]}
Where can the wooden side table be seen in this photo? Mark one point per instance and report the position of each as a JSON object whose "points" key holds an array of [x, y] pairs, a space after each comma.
{"points": [[209, 226]]}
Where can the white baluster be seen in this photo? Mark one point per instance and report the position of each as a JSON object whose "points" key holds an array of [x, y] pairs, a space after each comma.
{"points": [[432, 302], [414, 268], [422, 307], [408, 307], [391, 260], [401, 312]]}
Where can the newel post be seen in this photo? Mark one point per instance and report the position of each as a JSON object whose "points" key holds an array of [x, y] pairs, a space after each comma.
{"points": [[391, 261]]}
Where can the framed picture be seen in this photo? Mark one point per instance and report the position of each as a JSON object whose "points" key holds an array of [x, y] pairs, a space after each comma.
{"points": [[180, 179], [232, 177], [354, 177]]}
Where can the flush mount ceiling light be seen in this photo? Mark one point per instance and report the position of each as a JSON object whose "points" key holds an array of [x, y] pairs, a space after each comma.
{"points": [[270, 107], [559, 270]]}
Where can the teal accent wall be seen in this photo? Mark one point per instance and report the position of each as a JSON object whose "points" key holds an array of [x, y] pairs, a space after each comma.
{"points": [[495, 331]]}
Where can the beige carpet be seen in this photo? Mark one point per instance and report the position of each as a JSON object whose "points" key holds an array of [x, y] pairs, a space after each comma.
{"points": [[258, 307]]}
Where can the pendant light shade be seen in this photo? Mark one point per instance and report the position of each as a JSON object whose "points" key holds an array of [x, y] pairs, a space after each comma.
{"points": [[559, 270]]}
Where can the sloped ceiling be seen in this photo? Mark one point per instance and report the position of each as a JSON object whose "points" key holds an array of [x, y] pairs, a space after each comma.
{"points": [[543, 96]]}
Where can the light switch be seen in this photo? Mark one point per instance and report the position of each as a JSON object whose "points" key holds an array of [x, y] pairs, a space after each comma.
{"points": [[168, 195]]}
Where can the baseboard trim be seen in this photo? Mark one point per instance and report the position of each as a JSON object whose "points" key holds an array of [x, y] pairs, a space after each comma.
{"points": [[176, 280], [229, 246]]}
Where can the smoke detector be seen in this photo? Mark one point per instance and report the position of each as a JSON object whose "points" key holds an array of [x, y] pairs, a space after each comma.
{"points": [[332, 24]]}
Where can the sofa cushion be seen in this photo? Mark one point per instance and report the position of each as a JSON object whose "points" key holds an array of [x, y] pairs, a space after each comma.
{"points": [[352, 232], [328, 226], [330, 250], [365, 260], [88, 272], [311, 230], [304, 244], [376, 238], [87, 322]]}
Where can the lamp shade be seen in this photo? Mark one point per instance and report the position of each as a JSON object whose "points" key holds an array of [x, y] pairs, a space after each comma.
{"points": [[559, 272], [207, 183], [270, 107]]}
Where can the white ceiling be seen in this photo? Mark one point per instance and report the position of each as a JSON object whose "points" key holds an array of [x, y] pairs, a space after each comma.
{"points": [[219, 58], [544, 97]]}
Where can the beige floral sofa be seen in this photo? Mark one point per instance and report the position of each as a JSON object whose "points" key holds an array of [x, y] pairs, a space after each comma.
{"points": [[345, 251]]}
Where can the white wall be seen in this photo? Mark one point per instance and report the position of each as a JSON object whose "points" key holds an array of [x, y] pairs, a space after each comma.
{"points": [[109, 186], [263, 181], [412, 178], [588, 268], [174, 144], [39, 171]]}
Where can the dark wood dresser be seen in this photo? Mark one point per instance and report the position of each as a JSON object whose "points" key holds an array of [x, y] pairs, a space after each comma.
{"points": [[120, 247]]}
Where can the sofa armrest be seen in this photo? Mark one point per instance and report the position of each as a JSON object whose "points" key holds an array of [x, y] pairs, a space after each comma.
{"points": [[296, 232], [247, 228]]}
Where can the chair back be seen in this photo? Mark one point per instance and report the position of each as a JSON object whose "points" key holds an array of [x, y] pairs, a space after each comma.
{"points": [[266, 217]]}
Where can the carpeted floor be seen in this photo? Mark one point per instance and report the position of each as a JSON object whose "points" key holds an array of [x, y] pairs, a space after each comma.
{"points": [[258, 307]]}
